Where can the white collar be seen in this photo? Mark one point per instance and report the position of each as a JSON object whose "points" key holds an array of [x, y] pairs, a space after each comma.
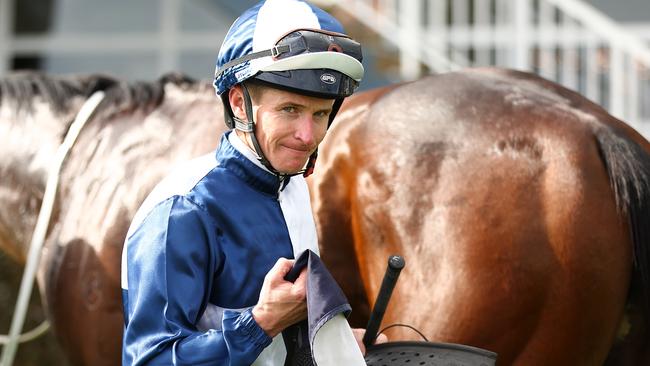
{"points": [[240, 146]]}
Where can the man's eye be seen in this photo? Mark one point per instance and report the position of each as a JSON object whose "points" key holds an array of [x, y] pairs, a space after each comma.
{"points": [[321, 114], [289, 109]]}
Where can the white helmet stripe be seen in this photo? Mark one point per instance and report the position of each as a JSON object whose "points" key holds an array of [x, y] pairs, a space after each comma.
{"points": [[272, 21]]}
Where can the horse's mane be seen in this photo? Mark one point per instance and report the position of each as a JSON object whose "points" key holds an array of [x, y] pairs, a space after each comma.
{"points": [[23, 88]]}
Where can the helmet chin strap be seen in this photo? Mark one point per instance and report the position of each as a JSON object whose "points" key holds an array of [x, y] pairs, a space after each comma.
{"points": [[249, 127]]}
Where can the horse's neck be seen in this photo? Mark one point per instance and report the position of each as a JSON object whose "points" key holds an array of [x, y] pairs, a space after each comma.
{"points": [[29, 140], [119, 157]]}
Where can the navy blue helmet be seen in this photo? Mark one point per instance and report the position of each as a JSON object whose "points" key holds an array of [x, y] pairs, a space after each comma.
{"points": [[292, 45]]}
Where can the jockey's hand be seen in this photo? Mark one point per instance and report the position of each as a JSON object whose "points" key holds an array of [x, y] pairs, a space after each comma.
{"points": [[281, 302], [358, 335]]}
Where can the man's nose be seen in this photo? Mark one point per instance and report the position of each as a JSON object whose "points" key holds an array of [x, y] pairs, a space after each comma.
{"points": [[305, 130]]}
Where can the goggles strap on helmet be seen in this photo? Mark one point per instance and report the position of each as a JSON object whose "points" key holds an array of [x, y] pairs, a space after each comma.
{"points": [[274, 52]]}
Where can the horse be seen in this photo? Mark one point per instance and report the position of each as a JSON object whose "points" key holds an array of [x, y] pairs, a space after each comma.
{"points": [[137, 135], [513, 211], [520, 207]]}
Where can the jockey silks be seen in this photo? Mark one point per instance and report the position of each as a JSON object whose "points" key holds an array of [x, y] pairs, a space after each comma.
{"points": [[196, 255]]}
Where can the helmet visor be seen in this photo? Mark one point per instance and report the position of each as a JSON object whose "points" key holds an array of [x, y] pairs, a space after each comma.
{"points": [[321, 83]]}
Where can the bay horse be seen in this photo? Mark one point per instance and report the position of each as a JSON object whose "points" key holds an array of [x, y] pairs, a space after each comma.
{"points": [[518, 205]]}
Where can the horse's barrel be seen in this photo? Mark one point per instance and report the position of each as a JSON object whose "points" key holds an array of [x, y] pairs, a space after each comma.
{"points": [[428, 354]]}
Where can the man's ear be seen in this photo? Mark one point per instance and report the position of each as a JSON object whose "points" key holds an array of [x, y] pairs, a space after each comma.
{"points": [[236, 99]]}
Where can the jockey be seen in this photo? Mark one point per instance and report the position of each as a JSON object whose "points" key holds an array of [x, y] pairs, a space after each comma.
{"points": [[205, 257], [308, 55]]}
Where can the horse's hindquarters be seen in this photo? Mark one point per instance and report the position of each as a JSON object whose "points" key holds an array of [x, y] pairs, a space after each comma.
{"points": [[503, 211]]}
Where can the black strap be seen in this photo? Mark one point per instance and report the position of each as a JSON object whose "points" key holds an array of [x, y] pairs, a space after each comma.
{"points": [[250, 128], [275, 51]]}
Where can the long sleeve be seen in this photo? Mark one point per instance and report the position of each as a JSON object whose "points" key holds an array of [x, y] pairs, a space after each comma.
{"points": [[172, 259]]}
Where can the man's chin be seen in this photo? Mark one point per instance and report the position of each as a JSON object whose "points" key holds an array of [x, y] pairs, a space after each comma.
{"points": [[292, 169]]}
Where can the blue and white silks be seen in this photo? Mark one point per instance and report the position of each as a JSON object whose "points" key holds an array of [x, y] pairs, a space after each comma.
{"points": [[196, 255]]}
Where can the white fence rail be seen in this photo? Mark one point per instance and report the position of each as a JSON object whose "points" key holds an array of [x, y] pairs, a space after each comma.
{"points": [[563, 40]]}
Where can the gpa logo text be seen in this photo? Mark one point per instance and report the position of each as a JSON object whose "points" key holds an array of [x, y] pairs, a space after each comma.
{"points": [[328, 78]]}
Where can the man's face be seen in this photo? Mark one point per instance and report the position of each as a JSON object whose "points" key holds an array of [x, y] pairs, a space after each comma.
{"points": [[288, 126]]}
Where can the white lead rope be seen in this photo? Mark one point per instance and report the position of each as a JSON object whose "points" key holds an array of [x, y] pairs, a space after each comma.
{"points": [[30, 335], [38, 238]]}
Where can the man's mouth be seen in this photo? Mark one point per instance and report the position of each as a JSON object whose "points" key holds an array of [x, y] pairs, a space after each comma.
{"points": [[301, 149]]}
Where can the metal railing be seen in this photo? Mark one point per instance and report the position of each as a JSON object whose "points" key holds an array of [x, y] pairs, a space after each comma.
{"points": [[166, 43], [567, 41]]}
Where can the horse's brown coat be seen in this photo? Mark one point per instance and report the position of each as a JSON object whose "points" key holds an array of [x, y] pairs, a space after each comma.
{"points": [[491, 185]]}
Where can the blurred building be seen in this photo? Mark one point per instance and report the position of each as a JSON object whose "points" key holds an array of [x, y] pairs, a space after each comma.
{"points": [[139, 39], [597, 47], [136, 40]]}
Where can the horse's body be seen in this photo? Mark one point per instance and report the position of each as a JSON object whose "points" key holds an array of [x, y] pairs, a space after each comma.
{"points": [[138, 135], [490, 184], [495, 187]]}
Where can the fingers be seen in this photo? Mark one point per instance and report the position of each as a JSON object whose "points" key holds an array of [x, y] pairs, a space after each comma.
{"points": [[280, 269], [358, 333], [358, 336], [281, 302], [300, 285], [381, 338], [275, 278], [283, 266]]}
